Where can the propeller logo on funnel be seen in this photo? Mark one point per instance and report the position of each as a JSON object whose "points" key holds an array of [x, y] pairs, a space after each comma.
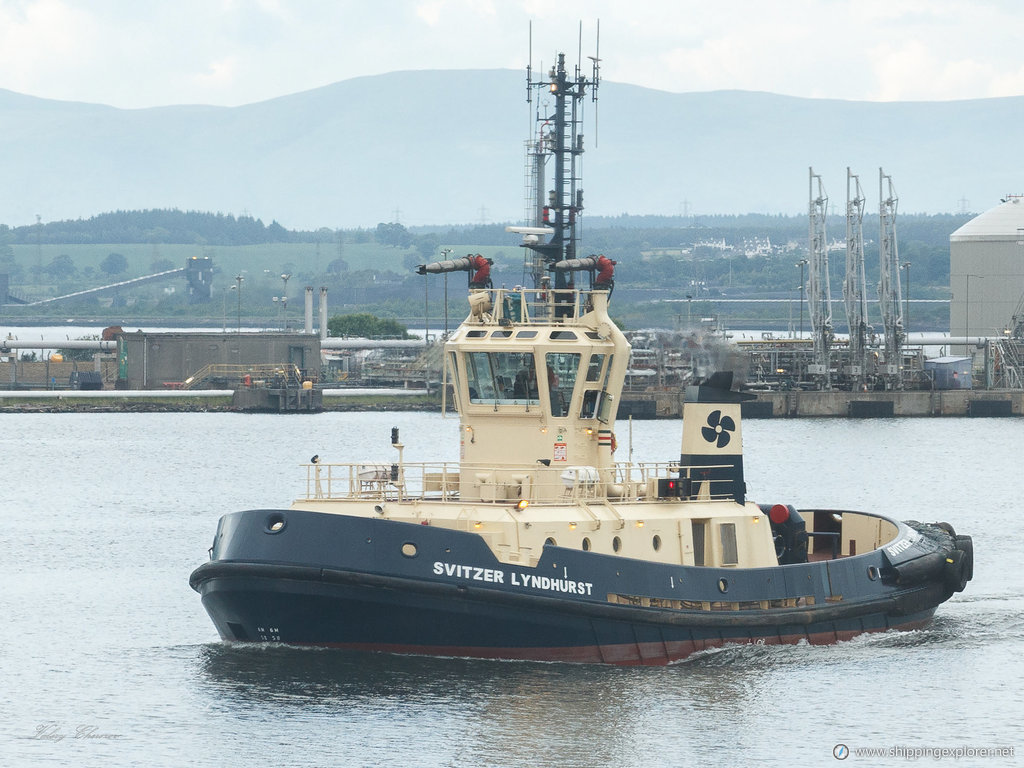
{"points": [[718, 429]]}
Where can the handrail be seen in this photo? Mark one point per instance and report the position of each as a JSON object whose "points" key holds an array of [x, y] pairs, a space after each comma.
{"points": [[505, 485], [536, 306], [287, 373]]}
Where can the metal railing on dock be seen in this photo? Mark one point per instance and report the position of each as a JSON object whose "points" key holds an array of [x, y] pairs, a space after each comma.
{"points": [[262, 374]]}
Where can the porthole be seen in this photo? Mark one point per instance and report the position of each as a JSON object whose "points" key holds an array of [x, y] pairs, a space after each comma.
{"points": [[656, 543], [586, 544], [409, 549], [723, 585], [550, 542], [275, 522], [872, 572], [616, 544]]}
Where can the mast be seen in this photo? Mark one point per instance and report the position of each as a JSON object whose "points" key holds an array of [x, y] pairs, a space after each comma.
{"points": [[818, 290], [889, 290], [854, 284], [560, 140], [536, 159]]}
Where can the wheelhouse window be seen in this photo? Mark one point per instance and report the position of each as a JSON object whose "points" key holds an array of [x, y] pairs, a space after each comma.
{"points": [[590, 400], [453, 372], [505, 378], [562, 368], [595, 403]]}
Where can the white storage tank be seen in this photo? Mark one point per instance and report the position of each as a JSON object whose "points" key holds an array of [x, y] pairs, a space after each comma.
{"points": [[986, 270]]}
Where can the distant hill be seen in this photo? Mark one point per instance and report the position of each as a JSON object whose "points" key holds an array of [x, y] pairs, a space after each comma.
{"points": [[154, 226], [439, 147]]}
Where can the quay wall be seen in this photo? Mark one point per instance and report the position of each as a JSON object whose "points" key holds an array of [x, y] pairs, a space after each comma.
{"points": [[799, 404], [959, 402], [648, 405]]}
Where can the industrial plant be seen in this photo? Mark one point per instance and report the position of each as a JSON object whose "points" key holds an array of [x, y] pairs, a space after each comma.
{"points": [[861, 370]]}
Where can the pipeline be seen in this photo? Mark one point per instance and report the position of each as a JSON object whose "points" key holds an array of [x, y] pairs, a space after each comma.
{"points": [[6, 345]]}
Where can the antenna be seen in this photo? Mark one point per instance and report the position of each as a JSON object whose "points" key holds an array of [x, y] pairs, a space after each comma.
{"points": [[595, 77], [529, 66], [579, 49]]}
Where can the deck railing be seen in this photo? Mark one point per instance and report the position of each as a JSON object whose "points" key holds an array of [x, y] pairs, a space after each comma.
{"points": [[440, 481], [534, 305]]}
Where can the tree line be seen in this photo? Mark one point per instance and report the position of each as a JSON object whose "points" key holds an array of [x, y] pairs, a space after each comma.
{"points": [[151, 226], [636, 242]]}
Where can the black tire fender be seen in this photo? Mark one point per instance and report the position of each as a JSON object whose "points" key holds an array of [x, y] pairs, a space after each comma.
{"points": [[956, 571], [966, 545]]}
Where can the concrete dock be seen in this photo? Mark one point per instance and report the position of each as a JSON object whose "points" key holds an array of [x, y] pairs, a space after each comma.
{"points": [[810, 404], [662, 405]]}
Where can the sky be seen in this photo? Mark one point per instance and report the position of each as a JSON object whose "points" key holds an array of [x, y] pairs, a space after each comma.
{"points": [[144, 53]]}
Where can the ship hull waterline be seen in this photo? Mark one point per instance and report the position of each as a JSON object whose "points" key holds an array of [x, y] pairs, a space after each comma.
{"points": [[324, 607], [348, 610]]}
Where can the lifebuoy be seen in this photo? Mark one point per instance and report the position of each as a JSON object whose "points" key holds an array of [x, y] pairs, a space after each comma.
{"points": [[614, 444]]}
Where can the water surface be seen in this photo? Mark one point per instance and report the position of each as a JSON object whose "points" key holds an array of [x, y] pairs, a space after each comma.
{"points": [[108, 658]]}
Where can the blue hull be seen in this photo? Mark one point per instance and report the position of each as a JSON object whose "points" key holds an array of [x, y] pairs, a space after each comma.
{"points": [[332, 580]]}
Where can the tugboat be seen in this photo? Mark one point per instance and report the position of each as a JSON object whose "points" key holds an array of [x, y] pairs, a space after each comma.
{"points": [[537, 544]]}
